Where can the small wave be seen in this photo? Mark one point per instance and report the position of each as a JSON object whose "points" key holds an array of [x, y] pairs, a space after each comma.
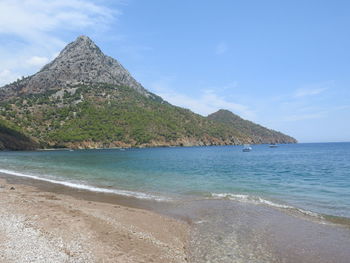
{"points": [[261, 201], [138, 195]]}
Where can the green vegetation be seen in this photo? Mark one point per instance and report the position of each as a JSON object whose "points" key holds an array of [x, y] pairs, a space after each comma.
{"points": [[13, 138], [256, 132], [108, 116]]}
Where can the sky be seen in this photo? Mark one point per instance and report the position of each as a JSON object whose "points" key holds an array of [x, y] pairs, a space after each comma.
{"points": [[282, 64]]}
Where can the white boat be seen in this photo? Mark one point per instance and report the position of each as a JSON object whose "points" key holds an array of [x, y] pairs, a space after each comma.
{"points": [[273, 145], [246, 148]]}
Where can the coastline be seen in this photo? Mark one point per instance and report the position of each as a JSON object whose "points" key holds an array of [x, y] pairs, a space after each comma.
{"points": [[41, 220], [38, 224], [152, 145]]}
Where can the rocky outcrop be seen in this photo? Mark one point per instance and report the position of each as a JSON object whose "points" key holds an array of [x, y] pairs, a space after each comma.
{"points": [[80, 62]]}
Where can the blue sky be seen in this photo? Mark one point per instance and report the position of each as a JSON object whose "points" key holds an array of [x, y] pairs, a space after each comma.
{"points": [[282, 64]]}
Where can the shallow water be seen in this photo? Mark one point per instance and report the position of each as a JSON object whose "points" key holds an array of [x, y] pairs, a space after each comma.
{"points": [[226, 231], [310, 177]]}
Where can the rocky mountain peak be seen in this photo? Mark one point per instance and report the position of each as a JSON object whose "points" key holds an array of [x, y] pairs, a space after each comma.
{"points": [[83, 45], [80, 62], [84, 39]]}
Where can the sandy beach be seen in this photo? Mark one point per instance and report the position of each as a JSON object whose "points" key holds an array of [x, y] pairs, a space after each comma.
{"points": [[47, 222], [40, 226]]}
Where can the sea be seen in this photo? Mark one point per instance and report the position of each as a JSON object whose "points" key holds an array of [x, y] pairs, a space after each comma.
{"points": [[241, 204]]}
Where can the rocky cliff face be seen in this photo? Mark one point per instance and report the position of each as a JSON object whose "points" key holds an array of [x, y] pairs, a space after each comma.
{"points": [[80, 62]]}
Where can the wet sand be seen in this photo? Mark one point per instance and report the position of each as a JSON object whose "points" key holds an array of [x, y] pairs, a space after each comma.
{"points": [[71, 225], [227, 231], [38, 225]]}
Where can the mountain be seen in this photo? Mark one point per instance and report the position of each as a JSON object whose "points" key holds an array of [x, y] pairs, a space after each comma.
{"points": [[85, 99], [80, 62], [257, 133]]}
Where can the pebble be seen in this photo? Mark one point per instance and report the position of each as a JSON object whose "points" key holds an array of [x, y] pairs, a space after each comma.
{"points": [[26, 244]]}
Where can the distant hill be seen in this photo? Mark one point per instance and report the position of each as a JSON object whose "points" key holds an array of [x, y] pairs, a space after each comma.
{"points": [[257, 133], [12, 138], [85, 99]]}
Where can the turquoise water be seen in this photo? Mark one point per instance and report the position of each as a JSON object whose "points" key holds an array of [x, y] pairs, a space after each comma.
{"points": [[312, 177]]}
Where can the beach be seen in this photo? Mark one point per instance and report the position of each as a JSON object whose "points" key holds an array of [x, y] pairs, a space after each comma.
{"points": [[176, 205], [43, 226], [46, 222]]}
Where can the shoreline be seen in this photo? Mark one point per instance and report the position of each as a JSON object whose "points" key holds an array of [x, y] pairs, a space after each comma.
{"points": [[41, 221], [157, 146], [161, 207], [158, 203], [75, 225], [203, 230], [144, 147]]}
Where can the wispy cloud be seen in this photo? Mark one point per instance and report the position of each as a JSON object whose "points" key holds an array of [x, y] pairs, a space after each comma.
{"points": [[308, 92], [37, 61], [31, 30], [301, 117], [313, 89], [307, 102], [204, 103], [342, 107], [6, 76], [221, 48], [32, 18]]}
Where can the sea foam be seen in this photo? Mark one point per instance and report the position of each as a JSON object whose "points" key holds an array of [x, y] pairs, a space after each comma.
{"points": [[260, 201], [86, 187]]}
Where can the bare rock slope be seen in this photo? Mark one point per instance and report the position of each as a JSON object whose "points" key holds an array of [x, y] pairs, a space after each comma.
{"points": [[80, 62]]}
